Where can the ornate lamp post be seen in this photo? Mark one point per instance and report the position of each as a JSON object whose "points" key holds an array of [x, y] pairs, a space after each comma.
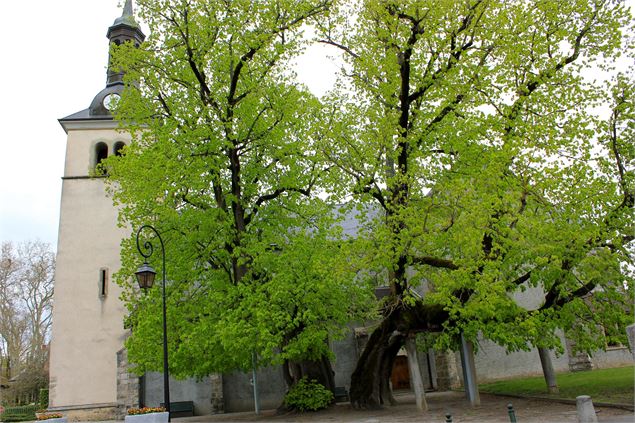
{"points": [[145, 276]]}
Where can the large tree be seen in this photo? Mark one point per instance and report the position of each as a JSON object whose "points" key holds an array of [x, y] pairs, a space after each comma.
{"points": [[26, 292], [477, 129], [223, 163]]}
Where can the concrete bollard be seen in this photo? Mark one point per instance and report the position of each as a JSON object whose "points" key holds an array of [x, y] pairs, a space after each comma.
{"points": [[586, 412]]}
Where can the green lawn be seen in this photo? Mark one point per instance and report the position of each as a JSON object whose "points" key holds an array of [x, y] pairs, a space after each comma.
{"points": [[603, 385]]}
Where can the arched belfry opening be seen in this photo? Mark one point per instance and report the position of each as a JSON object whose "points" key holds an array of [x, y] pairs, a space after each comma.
{"points": [[101, 153], [118, 149]]}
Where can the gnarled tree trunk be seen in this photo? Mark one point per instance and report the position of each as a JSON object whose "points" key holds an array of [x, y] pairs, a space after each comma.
{"points": [[369, 381], [370, 386], [318, 370]]}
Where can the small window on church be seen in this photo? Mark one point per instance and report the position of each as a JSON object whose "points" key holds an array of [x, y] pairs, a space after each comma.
{"points": [[119, 148], [103, 282]]}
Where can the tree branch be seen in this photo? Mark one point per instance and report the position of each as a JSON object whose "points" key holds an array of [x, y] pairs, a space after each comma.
{"points": [[340, 46], [435, 262]]}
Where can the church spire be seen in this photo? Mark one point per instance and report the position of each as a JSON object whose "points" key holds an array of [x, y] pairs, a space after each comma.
{"points": [[127, 9], [127, 16], [124, 29]]}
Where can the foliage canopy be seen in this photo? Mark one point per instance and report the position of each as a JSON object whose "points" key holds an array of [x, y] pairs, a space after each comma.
{"points": [[472, 126], [224, 165], [475, 128]]}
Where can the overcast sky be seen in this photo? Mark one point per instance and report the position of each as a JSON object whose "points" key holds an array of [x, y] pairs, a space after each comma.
{"points": [[54, 56]]}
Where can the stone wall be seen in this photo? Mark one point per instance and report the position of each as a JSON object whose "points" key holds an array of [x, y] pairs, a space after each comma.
{"points": [[578, 360], [92, 413], [217, 399], [239, 391], [427, 367], [127, 385], [612, 357], [447, 370], [346, 354], [203, 392], [493, 362]]}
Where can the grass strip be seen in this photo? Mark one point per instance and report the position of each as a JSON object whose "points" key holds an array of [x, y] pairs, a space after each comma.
{"points": [[614, 385]]}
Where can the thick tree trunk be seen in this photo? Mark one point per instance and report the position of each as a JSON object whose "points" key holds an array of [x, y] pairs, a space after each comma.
{"points": [[370, 381], [370, 386]]}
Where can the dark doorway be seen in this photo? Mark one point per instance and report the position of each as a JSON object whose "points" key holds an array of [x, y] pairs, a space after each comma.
{"points": [[400, 376]]}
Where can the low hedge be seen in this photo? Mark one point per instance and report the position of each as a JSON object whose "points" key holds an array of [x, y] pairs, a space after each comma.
{"points": [[19, 414]]}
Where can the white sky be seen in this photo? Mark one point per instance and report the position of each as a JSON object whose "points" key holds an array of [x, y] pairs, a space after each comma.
{"points": [[53, 63], [54, 59]]}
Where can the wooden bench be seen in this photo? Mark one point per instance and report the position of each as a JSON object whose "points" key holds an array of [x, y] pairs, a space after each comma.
{"points": [[181, 408], [340, 394]]}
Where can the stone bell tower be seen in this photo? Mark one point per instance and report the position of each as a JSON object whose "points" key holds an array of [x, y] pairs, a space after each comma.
{"points": [[87, 313]]}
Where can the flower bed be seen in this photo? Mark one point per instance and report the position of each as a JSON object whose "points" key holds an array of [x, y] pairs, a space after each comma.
{"points": [[147, 415], [48, 416], [145, 410]]}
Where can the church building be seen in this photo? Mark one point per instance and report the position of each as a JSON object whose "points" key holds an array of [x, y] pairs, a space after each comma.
{"points": [[89, 377], [87, 313]]}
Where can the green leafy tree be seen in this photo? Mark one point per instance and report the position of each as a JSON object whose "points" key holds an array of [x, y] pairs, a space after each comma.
{"points": [[472, 128], [224, 165]]}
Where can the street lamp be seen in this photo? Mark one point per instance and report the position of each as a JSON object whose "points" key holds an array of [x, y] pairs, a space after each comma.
{"points": [[145, 277]]}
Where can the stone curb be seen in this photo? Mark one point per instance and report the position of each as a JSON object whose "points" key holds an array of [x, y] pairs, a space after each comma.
{"points": [[628, 407]]}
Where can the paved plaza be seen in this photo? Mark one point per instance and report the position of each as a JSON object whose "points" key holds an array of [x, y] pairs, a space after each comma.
{"points": [[492, 409]]}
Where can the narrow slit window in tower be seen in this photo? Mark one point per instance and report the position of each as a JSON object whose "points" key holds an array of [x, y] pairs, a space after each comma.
{"points": [[103, 282]]}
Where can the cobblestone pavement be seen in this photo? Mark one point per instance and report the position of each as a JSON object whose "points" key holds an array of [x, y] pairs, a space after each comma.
{"points": [[492, 409]]}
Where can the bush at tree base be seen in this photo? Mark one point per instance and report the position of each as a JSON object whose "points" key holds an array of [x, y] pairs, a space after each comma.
{"points": [[308, 396]]}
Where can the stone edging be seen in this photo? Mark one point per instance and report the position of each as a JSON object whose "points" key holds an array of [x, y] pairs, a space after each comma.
{"points": [[628, 407], [82, 406]]}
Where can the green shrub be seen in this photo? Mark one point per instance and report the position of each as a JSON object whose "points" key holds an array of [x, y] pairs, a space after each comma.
{"points": [[308, 396], [43, 398]]}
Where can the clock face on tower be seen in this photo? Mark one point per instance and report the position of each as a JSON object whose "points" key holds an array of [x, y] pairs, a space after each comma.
{"points": [[110, 101]]}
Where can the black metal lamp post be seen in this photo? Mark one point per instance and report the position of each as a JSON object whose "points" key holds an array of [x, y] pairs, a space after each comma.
{"points": [[145, 276]]}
